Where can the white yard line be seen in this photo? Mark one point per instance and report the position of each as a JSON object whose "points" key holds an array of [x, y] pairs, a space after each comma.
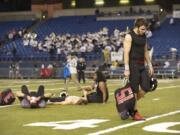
{"points": [[48, 84], [52, 82], [8, 106], [161, 88], [133, 123], [34, 84], [30, 84], [15, 86]]}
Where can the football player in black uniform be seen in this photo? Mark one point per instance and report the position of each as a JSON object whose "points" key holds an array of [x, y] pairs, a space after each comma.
{"points": [[135, 56]]}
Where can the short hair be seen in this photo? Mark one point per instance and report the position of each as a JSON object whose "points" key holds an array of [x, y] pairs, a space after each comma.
{"points": [[140, 21]]}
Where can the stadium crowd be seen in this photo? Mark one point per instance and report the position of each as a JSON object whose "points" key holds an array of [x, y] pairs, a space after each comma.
{"points": [[69, 43]]}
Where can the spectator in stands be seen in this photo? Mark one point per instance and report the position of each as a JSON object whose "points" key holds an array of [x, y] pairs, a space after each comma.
{"points": [[81, 66], [106, 54], [148, 33], [101, 95], [83, 48], [62, 45], [173, 53], [121, 52], [115, 64], [171, 21], [104, 31], [135, 55], [10, 35], [178, 66], [17, 71], [127, 29], [116, 33], [20, 33], [12, 70], [166, 64]]}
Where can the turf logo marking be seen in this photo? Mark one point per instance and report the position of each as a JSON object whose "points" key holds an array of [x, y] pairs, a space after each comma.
{"points": [[105, 131], [162, 127], [70, 124]]}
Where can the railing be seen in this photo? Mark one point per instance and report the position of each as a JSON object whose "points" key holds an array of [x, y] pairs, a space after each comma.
{"points": [[166, 72], [89, 72]]}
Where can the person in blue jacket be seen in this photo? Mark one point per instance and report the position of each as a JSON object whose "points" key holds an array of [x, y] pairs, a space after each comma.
{"points": [[66, 75]]}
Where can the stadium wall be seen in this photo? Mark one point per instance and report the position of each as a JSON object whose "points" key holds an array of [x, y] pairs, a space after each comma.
{"points": [[176, 7], [15, 16], [49, 8], [91, 11], [55, 10]]}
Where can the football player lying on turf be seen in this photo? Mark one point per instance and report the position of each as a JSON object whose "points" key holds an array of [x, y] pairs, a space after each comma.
{"points": [[33, 99], [99, 96], [65, 99], [7, 97]]}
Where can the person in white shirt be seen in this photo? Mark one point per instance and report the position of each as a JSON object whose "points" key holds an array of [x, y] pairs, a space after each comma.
{"points": [[72, 64], [171, 21], [166, 64], [178, 66], [148, 33], [116, 33]]}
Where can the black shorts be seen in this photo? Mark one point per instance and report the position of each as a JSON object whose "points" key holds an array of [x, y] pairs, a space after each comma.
{"points": [[57, 99], [94, 98], [139, 76]]}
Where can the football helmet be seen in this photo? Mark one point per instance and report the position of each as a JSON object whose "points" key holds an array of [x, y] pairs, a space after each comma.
{"points": [[124, 115], [153, 83], [63, 93]]}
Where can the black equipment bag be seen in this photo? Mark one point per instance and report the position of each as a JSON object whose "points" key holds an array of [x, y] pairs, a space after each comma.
{"points": [[125, 101], [7, 97]]}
